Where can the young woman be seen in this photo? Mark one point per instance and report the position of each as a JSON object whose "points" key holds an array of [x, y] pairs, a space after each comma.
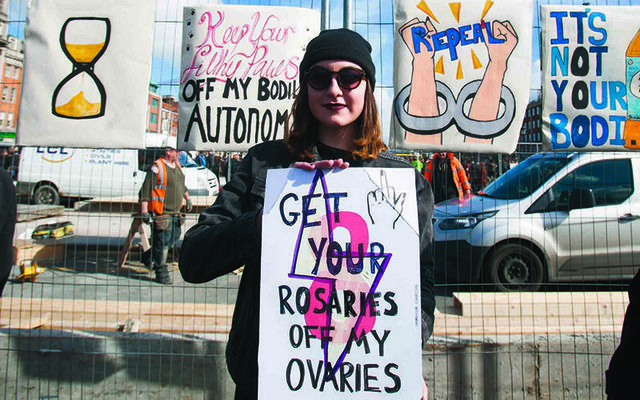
{"points": [[335, 125]]}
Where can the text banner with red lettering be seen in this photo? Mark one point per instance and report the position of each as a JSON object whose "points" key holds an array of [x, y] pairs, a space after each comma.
{"points": [[240, 71]]}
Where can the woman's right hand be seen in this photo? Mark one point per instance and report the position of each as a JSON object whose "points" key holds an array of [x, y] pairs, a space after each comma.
{"points": [[323, 164]]}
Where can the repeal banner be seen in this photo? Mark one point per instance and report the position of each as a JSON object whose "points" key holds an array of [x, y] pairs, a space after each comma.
{"points": [[240, 71], [86, 74], [340, 285], [591, 78], [461, 74]]}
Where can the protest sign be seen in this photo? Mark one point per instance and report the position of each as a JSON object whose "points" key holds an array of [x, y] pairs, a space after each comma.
{"points": [[240, 71], [340, 292], [86, 74], [591, 77], [461, 74]]}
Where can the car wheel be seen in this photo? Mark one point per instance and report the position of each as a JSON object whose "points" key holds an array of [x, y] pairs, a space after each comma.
{"points": [[46, 195], [515, 268]]}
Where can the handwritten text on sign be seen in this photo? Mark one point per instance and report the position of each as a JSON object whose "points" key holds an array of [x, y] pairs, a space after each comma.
{"points": [[585, 89], [339, 290], [240, 70]]}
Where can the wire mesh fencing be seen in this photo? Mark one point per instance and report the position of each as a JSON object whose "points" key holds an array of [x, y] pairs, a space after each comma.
{"points": [[530, 297]]}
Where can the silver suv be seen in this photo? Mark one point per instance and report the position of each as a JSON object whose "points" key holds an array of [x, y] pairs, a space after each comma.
{"points": [[555, 217]]}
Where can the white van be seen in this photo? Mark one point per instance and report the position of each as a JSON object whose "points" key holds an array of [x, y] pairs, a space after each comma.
{"points": [[555, 217], [46, 173]]}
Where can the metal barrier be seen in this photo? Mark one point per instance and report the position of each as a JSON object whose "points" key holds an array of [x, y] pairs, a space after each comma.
{"points": [[81, 316]]}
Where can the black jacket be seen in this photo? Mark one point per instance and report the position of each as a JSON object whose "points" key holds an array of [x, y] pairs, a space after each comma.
{"points": [[624, 366], [225, 239]]}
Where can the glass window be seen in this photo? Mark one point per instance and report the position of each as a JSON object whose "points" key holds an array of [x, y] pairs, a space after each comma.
{"points": [[154, 103], [13, 95], [2, 116], [5, 93], [610, 182], [9, 120], [8, 71], [154, 118], [523, 179]]}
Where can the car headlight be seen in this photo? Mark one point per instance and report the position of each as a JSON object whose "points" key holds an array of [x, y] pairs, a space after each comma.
{"points": [[464, 221]]}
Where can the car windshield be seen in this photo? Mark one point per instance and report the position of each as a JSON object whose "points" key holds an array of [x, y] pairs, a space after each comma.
{"points": [[186, 161], [523, 179], [146, 157]]}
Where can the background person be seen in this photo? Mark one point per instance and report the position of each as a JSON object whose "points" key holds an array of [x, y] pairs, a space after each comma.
{"points": [[236, 160], [161, 197], [447, 177], [213, 163], [417, 164], [335, 124], [201, 159], [623, 366]]}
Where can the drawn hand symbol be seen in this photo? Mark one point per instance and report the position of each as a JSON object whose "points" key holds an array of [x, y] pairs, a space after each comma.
{"points": [[424, 29], [385, 196], [503, 31]]}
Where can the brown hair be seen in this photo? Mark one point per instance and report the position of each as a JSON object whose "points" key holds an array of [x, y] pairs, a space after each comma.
{"points": [[303, 135]]}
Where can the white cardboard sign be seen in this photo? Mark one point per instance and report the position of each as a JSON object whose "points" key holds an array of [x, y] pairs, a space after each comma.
{"points": [[340, 292], [591, 78], [86, 75], [461, 74], [239, 75]]}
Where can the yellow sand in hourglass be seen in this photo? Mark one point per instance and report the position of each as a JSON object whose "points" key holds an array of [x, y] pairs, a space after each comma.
{"points": [[84, 53], [78, 106]]}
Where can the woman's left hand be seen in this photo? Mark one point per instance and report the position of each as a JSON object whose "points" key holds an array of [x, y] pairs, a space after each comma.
{"points": [[323, 164]]}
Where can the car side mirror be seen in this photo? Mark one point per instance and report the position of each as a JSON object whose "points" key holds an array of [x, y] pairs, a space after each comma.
{"points": [[581, 198]]}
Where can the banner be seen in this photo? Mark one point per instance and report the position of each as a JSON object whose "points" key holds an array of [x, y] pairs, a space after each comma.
{"points": [[340, 292], [461, 74], [240, 70], [591, 78], [86, 74]]}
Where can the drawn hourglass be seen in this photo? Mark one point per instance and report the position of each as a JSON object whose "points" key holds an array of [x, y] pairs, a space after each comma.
{"points": [[80, 94]]}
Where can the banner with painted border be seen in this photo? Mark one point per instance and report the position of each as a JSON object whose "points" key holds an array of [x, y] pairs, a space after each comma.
{"points": [[591, 78], [340, 285], [86, 73], [462, 74], [239, 75]]}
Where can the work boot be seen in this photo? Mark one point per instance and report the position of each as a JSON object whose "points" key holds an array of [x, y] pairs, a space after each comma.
{"points": [[163, 276]]}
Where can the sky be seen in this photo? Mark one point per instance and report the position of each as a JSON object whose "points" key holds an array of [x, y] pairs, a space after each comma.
{"points": [[372, 18]]}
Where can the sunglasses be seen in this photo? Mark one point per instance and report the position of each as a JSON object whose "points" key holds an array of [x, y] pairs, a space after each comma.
{"points": [[320, 78]]}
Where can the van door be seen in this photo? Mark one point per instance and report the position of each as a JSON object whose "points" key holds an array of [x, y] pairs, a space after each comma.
{"points": [[595, 242]]}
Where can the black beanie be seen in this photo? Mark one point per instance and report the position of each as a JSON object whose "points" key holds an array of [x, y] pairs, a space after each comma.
{"points": [[340, 44]]}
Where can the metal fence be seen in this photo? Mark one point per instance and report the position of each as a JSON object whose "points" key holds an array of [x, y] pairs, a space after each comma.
{"points": [[81, 318]]}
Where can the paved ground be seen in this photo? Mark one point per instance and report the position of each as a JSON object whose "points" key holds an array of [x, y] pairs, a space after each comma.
{"points": [[90, 268]]}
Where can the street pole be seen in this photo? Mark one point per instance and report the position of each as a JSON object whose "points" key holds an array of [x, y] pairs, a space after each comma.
{"points": [[324, 15], [348, 6]]}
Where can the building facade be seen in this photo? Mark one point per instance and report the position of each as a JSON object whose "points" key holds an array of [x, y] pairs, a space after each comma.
{"points": [[11, 66], [162, 113], [530, 140]]}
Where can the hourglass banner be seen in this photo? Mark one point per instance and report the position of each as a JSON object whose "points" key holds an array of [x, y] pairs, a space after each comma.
{"points": [[340, 313], [461, 74], [591, 78], [87, 71], [240, 71]]}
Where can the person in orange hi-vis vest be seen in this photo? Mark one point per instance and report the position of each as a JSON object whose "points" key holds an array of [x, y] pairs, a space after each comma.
{"points": [[447, 177], [161, 198]]}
